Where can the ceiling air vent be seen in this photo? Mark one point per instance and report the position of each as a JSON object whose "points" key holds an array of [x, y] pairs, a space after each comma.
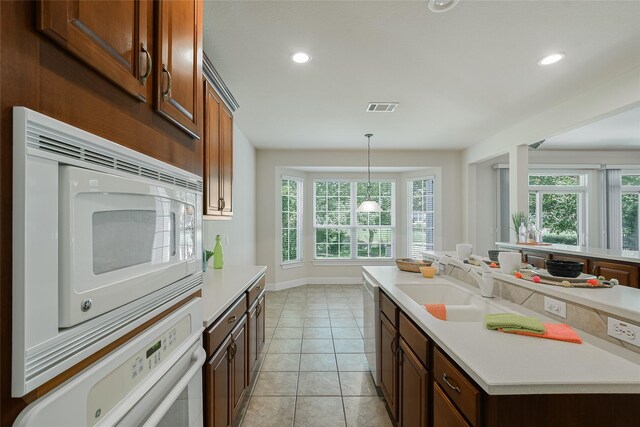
{"points": [[382, 107]]}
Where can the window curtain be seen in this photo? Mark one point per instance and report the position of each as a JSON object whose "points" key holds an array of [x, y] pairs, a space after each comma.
{"points": [[614, 209]]}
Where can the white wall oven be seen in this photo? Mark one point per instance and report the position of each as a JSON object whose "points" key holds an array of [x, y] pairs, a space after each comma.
{"points": [[104, 239], [155, 379]]}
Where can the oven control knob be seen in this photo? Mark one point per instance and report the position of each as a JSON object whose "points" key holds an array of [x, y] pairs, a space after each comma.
{"points": [[85, 305]]}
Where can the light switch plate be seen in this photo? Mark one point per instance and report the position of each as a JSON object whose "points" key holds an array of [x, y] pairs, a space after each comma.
{"points": [[554, 306], [624, 331]]}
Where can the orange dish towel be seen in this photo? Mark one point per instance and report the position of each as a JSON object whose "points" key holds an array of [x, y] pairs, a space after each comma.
{"points": [[554, 331], [439, 311]]}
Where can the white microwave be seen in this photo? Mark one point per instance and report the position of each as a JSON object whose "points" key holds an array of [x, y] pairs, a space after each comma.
{"points": [[120, 239], [104, 239]]}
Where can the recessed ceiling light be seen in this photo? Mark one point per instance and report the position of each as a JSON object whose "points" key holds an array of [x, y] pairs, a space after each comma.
{"points": [[300, 58], [441, 5], [551, 59]]}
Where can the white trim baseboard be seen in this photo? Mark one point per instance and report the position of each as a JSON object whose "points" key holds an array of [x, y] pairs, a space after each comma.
{"points": [[347, 280]]}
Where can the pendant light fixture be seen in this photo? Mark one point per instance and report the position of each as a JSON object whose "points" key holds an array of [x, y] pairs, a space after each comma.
{"points": [[369, 205]]}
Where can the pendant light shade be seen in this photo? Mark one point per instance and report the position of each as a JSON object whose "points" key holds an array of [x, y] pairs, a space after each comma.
{"points": [[369, 205]]}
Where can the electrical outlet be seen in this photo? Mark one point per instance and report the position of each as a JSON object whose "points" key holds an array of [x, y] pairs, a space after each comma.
{"points": [[554, 306], [623, 331]]}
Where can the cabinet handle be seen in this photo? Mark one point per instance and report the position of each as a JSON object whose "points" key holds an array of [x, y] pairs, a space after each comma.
{"points": [[393, 350], [165, 94], [231, 319], [453, 387], [143, 78], [221, 204], [258, 309], [593, 271]]}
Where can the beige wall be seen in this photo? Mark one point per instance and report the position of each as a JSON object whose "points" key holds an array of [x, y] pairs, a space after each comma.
{"points": [[272, 164], [240, 231]]}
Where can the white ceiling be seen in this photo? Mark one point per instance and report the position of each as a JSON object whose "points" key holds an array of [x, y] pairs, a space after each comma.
{"points": [[460, 76], [618, 132]]}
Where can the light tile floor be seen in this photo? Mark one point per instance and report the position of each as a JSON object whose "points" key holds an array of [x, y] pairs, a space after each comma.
{"points": [[314, 371]]}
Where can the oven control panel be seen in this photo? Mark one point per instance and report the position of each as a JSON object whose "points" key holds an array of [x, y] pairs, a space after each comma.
{"points": [[111, 389]]}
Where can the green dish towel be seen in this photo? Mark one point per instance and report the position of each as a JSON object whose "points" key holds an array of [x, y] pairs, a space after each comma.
{"points": [[513, 322]]}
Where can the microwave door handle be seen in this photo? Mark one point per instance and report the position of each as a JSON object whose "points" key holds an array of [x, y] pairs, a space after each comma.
{"points": [[196, 368]]}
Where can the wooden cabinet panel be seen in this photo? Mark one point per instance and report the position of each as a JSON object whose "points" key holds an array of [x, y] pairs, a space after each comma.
{"points": [[217, 380], [238, 364], [255, 290], [445, 413], [110, 36], [260, 336], [217, 333], [415, 339], [179, 65], [218, 155], [389, 364], [627, 274], [389, 309], [536, 259], [413, 394], [252, 341], [455, 385]]}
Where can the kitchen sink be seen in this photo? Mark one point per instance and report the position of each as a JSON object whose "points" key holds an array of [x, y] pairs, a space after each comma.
{"points": [[436, 294], [473, 312]]}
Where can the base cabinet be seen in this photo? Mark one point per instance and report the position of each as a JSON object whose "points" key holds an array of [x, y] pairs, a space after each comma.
{"points": [[389, 364], [217, 379], [256, 335], [445, 413], [626, 274], [413, 394]]}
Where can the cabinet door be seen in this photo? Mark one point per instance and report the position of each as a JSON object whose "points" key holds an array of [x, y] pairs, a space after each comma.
{"points": [[260, 335], [239, 364], [179, 68], [252, 341], [109, 36], [212, 158], [627, 274], [536, 259], [413, 399], [226, 157], [585, 261], [389, 364], [445, 413], [217, 384]]}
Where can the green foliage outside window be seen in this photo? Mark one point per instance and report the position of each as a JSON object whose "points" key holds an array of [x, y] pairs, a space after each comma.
{"points": [[290, 215]]}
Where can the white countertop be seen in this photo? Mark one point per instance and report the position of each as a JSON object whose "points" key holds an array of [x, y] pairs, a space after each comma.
{"points": [[508, 364], [614, 255], [220, 288]]}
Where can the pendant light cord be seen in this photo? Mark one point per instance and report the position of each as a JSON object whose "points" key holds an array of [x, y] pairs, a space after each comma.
{"points": [[369, 165]]}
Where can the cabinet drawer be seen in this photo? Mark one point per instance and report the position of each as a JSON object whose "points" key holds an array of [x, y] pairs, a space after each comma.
{"points": [[445, 413], [389, 309], [415, 339], [214, 336], [585, 261], [627, 274], [454, 384], [255, 290]]}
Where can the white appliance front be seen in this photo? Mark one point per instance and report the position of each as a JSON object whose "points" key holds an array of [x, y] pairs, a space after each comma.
{"points": [[153, 380], [371, 326], [120, 239]]}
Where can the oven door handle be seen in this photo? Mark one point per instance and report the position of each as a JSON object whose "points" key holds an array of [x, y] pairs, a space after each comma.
{"points": [[198, 358]]}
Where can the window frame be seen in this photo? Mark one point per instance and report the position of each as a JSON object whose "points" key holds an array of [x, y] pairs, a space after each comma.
{"points": [[633, 190], [581, 190], [299, 222], [410, 211], [353, 226]]}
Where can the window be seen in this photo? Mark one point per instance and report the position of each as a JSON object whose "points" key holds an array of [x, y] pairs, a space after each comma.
{"points": [[556, 206], [291, 189], [421, 216], [342, 233], [630, 212]]}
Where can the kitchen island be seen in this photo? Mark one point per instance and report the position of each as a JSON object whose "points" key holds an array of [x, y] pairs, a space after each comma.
{"points": [[619, 264], [475, 376]]}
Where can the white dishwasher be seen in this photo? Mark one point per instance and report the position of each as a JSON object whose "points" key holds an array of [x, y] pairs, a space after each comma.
{"points": [[371, 325]]}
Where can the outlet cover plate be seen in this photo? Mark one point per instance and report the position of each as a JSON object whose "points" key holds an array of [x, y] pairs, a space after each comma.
{"points": [[554, 306], [624, 331]]}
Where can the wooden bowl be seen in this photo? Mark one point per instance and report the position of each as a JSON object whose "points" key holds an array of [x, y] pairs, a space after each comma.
{"points": [[411, 264]]}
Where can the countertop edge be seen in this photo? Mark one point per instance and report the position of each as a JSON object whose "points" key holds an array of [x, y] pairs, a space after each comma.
{"points": [[586, 252]]}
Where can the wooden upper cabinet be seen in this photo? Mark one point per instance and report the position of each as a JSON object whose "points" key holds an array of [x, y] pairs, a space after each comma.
{"points": [[110, 36], [179, 68], [218, 155]]}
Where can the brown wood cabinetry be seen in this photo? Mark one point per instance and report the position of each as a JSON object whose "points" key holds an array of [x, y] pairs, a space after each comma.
{"points": [[109, 36], [445, 413], [178, 91], [218, 155], [389, 362], [256, 334], [627, 274], [464, 394], [413, 397], [238, 361], [217, 376], [536, 259], [584, 261]]}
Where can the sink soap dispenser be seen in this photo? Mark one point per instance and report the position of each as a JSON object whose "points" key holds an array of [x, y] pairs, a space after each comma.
{"points": [[217, 254]]}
